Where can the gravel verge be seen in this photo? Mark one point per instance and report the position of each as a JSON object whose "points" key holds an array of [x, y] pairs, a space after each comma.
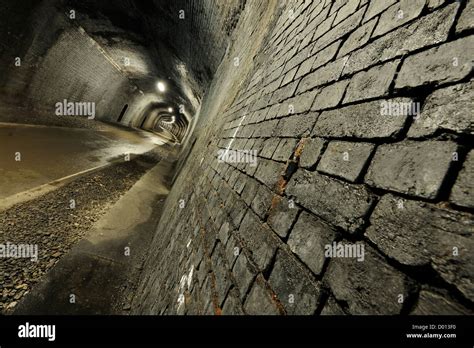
{"points": [[54, 224]]}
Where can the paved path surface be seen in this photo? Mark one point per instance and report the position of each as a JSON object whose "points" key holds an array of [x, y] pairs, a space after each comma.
{"points": [[51, 153]]}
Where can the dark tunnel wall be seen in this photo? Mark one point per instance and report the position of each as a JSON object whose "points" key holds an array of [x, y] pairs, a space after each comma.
{"points": [[61, 62], [211, 22]]}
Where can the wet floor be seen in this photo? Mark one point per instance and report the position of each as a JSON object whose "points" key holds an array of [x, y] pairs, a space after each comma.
{"points": [[32, 155]]}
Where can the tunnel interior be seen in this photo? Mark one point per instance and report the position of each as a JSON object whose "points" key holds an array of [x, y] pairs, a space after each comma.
{"points": [[147, 57], [211, 157]]}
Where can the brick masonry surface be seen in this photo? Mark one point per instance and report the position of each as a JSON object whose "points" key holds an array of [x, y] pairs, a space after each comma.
{"points": [[60, 62], [360, 113]]}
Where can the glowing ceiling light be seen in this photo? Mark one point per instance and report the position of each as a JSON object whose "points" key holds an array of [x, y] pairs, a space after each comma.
{"points": [[170, 109], [161, 86], [173, 120]]}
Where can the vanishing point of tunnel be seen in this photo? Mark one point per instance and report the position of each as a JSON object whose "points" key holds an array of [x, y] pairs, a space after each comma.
{"points": [[258, 157]]}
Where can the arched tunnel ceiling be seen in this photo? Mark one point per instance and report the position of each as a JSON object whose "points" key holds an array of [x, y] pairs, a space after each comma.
{"points": [[151, 41]]}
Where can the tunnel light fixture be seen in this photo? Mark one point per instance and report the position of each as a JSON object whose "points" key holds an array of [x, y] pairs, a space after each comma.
{"points": [[161, 86], [173, 120]]}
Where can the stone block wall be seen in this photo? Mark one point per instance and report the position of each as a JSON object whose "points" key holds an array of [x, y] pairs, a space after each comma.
{"points": [[58, 60], [83, 73], [360, 114]]}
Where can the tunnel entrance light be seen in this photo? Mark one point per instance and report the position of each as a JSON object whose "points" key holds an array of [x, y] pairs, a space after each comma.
{"points": [[161, 86]]}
